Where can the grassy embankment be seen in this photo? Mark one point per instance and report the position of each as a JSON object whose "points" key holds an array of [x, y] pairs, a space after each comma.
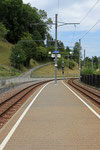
{"points": [[5, 69], [5, 50], [49, 71]]}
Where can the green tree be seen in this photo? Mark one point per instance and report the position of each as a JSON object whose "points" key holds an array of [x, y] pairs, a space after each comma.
{"points": [[88, 62], [26, 36], [10, 13], [21, 18], [3, 31], [95, 62], [17, 57], [76, 52], [29, 48], [60, 46], [41, 54]]}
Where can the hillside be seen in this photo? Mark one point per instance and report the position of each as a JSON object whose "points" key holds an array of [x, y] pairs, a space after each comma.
{"points": [[49, 71], [5, 50]]}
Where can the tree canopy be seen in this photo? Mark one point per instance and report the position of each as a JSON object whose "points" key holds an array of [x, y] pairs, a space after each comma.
{"points": [[19, 18]]}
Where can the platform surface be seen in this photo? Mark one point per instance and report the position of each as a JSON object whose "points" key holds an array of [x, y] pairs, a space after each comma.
{"points": [[57, 120]]}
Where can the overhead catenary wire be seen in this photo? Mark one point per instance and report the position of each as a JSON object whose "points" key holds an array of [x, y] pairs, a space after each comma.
{"points": [[90, 29], [89, 11]]}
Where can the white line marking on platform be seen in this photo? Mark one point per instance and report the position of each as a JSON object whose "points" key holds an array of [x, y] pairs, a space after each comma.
{"points": [[5, 141], [82, 101]]}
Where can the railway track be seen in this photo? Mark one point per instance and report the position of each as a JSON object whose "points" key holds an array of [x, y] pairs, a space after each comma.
{"points": [[10, 105], [92, 94]]}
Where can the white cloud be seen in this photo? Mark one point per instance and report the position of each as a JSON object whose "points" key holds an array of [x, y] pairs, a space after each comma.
{"points": [[70, 11], [40, 4]]}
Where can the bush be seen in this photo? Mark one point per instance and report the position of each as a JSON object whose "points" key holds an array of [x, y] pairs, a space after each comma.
{"points": [[59, 63], [3, 31], [71, 64], [17, 57], [68, 63], [29, 50], [97, 72], [87, 71], [41, 54]]}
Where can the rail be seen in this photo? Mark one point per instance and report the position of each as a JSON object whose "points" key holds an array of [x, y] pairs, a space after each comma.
{"points": [[87, 91], [7, 105]]}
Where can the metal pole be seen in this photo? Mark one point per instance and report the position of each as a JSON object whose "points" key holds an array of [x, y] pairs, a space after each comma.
{"points": [[56, 48], [92, 62], [84, 58], [68, 64], [79, 59]]}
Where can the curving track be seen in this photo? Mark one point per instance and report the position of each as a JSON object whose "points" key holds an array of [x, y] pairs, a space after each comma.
{"points": [[90, 93], [10, 105]]}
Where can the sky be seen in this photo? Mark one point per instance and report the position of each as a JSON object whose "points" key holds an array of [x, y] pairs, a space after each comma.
{"points": [[74, 11]]}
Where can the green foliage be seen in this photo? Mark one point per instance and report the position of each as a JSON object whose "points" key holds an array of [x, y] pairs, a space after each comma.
{"points": [[3, 31], [21, 18], [29, 49], [59, 62], [97, 72], [71, 64], [87, 71], [23, 52], [60, 46], [41, 54], [17, 57], [26, 36], [5, 51], [68, 50], [95, 62], [68, 63], [43, 14], [76, 52], [10, 14]]}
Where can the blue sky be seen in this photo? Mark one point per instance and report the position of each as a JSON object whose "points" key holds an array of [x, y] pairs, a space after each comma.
{"points": [[73, 11]]}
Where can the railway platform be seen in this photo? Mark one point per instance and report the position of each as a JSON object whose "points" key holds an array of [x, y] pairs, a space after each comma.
{"points": [[53, 118]]}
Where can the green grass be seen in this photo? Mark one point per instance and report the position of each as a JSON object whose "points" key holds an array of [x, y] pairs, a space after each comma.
{"points": [[49, 71], [5, 51]]}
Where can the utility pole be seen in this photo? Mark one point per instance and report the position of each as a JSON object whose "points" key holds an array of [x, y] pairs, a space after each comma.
{"points": [[84, 58], [92, 63], [79, 59], [56, 24]]}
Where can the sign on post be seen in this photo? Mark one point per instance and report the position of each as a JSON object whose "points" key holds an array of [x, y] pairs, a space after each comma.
{"points": [[56, 52]]}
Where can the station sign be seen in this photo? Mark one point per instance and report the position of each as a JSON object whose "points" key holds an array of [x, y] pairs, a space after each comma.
{"points": [[56, 52]]}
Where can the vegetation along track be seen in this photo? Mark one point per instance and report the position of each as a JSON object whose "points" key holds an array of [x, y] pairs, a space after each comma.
{"points": [[90, 93], [10, 105]]}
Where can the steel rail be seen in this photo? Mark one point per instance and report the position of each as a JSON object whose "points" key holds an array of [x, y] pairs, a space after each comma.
{"points": [[85, 90], [7, 104]]}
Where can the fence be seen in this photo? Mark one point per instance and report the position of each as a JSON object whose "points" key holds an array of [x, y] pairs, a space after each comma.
{"points": [[93, 80]]}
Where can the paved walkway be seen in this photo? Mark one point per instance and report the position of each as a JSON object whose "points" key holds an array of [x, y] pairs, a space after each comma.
{"points": [[57, 120]]}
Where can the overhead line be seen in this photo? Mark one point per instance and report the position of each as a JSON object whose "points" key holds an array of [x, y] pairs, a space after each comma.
{"points": [[89, 11], [90, 29]]}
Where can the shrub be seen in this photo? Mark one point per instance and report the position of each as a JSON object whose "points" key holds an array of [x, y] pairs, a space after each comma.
{"points": [[87, 71], [17, 57], [41, 54], [59, 62], [3, 31]]}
